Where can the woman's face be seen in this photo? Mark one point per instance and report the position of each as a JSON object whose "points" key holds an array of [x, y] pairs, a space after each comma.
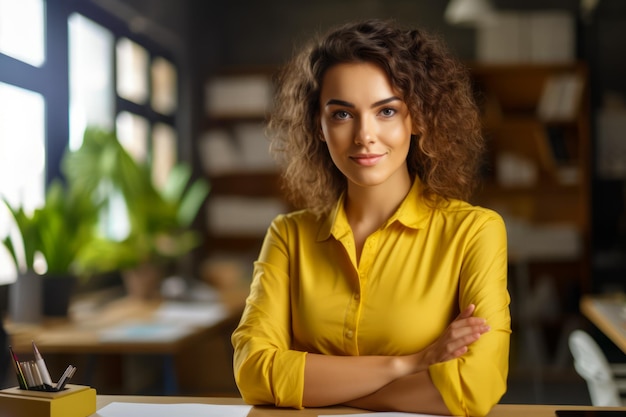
{"points": [[365, 123]]}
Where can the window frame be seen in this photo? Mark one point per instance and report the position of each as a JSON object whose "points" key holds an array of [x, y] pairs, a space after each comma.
{"points": [[51, 79]]}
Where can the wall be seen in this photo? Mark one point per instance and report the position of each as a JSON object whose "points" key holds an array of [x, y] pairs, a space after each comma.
{"points": [[253, 33]]}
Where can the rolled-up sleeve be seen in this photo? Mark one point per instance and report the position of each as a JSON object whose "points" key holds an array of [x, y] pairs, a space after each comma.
{"points": [[475, 382], [266, 369]]}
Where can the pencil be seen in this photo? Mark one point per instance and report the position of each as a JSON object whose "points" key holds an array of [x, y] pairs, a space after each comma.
{"points": [[21, 380], [41, 364], [61, 380]]}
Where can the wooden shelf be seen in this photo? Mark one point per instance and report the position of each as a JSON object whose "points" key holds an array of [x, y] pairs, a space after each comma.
{"points": [[510, 97], [226, 121], [244, 245], [238, 195], [251, 184]]}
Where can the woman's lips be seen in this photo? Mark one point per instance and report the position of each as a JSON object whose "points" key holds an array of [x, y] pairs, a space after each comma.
{"points": [[367, 159]]}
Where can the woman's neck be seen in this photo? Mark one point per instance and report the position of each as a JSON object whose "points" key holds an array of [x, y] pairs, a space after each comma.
{"points": [[376, 202], [368, 208]]}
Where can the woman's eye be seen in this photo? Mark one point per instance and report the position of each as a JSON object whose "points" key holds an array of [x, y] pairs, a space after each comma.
{"points": [[341, 115], [388, 112]]}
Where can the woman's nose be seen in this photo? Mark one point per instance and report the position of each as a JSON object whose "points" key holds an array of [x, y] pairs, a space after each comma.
{"points": [[365, 131]]}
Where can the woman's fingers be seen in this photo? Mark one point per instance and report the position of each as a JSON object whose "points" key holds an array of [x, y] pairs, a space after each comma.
{"points": [[469, 310], [461, 333], [459, 345], [456, 339]]}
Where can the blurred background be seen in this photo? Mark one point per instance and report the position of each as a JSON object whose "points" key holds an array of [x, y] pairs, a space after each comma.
{"points": [[184, 86]]}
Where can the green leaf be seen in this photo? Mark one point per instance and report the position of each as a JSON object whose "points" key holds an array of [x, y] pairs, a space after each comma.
{"points": [[28, 233], [8, 243], [159, 218], [176, 182], [191, 202]]}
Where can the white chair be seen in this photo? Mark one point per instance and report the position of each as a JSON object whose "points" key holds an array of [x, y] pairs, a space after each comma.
{"points": [[601, 377]]}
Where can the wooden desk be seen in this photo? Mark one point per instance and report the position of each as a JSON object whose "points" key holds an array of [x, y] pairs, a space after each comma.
{"points": [[609, 315], [127, 326], [500, 410]]}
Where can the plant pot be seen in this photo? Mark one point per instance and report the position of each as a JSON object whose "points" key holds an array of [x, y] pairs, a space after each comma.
{"points": [[25, 295], [57, 294], [143, 282]]}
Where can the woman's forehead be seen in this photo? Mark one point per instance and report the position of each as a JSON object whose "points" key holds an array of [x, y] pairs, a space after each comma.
{"points": [[352, 81]]}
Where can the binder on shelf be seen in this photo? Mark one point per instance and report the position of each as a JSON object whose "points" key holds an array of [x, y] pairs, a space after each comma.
{"points": [[238, 96], [74, 401], [561, 97]]}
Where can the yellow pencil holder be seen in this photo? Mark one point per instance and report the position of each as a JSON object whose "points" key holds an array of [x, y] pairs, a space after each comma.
{"points": [[74, 401]]}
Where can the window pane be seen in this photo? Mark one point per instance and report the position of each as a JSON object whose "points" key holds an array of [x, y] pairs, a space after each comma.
{"points": [[90, 77], [22, 30], [164, 153], [132, 71], [22, 159], [132, 132], [164, 86]]}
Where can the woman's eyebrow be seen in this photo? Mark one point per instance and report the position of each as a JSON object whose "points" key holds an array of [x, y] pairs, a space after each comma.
{"points": [[334, 101], [385, 101]]}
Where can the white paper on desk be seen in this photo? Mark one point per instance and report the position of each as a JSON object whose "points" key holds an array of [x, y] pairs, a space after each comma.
{"points": [[143, 332], [191, 314], [385, 414], [118, 409]]}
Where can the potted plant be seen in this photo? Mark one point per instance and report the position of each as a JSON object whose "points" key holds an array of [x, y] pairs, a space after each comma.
{"points": [[159, 219], [46, 248]]}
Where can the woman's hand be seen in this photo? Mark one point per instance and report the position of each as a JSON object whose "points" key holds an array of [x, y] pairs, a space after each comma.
{"points": [[454, 342]]}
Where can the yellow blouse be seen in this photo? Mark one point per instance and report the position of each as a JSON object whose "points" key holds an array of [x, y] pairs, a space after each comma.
{"points": [[415, 274]]}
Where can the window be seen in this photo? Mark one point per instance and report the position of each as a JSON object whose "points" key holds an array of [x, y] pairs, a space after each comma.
{"points": [[164, 86], [22, 30], [132, 71], [132, 132], [22, 118], [98, 73], [92, 98], [119, 83], [164, 155], [22, 160]]}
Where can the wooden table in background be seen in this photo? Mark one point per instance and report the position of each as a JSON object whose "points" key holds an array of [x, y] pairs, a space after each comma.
{"points": [[608, 313], [84, 333]]}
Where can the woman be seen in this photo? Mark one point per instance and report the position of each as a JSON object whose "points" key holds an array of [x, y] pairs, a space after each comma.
{"points": [[388, 290]]}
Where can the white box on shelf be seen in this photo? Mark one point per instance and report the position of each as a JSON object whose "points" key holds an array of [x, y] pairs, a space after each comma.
{"points": [[254, 147], [235, 216], [218, 154], [552, 36], [501, 40], [244, 96], [539, 37]]}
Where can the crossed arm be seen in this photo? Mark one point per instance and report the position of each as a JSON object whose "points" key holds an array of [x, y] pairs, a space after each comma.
{"points": [[389, 382]]}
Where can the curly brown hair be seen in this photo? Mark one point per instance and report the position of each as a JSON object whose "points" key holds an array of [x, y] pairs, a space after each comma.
{"points": [[447, 149]]}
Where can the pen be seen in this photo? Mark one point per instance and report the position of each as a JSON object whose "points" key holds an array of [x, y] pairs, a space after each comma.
{"points": [[41, 364], [66, 375], [37, 380], [21, 380], [28, 375]]}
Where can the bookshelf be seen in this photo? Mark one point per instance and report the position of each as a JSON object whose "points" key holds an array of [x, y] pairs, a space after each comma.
{"points": [[245, 182], [537, 170], [554, 150]]}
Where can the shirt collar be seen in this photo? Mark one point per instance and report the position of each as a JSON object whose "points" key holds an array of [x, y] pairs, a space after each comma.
{"points": [[412, 213]]}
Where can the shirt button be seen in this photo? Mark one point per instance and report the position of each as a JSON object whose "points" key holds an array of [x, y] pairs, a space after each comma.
{"points": [[349, 334], [357, 297]]}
